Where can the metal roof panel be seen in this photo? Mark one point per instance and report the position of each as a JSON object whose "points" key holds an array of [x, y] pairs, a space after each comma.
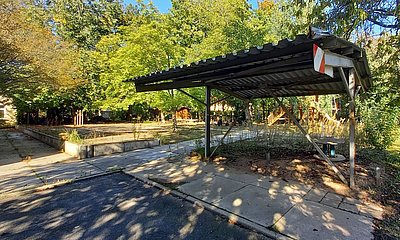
{"points": [[281, 67]]}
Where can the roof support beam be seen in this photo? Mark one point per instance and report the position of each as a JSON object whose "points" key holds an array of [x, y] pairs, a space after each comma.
{"points": [[304, 59], [189, 95], [345, 83], [312, 141], [220, 100], [166, 86], [226, 90], [311, 80]]}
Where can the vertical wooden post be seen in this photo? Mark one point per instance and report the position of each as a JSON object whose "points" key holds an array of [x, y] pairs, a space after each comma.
{"points": [[208, 123], [352, 126]]}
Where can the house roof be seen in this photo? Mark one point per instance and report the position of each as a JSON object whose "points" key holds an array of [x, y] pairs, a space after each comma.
{"points": [[281, 70]]}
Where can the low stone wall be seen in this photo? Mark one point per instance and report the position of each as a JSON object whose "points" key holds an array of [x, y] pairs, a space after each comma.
{"points": [[48, 139], [82, 151]]}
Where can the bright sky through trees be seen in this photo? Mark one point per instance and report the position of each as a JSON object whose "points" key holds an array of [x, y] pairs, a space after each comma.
{"points": [[165, 5]]}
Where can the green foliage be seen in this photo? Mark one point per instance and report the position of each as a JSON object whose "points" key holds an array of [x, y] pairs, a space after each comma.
{"points": [[300, 15], [103, 43], [32, 55], [85, 22], [380, 124], [136, 50], [347, 16], [73, 136], [380, 107]]}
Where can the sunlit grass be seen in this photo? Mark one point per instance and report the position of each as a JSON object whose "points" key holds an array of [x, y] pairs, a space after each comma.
{"points": [[395, 148]]}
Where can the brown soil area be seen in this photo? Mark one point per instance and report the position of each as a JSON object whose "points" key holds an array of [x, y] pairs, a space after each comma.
{"points": [[303, 167]]}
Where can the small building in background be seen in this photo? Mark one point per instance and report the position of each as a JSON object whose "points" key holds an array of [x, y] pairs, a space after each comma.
{"points": [[183, 113], [8, 112]]}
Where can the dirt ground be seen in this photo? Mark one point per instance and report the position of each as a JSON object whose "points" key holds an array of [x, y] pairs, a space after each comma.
{"points": [[302, 166]]}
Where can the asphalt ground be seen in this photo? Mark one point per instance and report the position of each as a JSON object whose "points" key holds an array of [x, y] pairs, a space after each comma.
{"points": [[114, 206]]}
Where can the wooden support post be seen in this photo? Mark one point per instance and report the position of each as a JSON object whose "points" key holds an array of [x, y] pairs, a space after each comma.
{"points": [[352, 125], [207, 122], [312, 141]]}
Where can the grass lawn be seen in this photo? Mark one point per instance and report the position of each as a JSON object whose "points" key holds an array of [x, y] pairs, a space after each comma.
{"points": [[395, 149]]}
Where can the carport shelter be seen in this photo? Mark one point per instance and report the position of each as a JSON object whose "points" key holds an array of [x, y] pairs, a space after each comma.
{"points": [[314, 64]]}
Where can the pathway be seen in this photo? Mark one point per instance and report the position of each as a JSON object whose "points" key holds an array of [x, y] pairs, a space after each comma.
{"points": [[293, 209]]}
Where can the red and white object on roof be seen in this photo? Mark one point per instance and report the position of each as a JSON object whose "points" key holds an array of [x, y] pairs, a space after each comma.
{"points": [[320, 61], [325, 61]]}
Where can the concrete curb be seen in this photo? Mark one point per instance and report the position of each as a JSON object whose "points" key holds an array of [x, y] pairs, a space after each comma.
{"points": [[234, 218]]}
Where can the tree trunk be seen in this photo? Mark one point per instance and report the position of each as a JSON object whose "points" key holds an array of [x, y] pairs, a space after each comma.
{"points": [[162, 116], [247, 113]]}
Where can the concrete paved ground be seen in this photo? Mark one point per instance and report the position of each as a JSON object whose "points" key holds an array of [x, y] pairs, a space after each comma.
{"points": [[294, 209], [47, 165], [111, 207]]}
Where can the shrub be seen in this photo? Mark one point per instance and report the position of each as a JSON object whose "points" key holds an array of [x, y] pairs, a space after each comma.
{"points": [[73, 136], [380, 123]]}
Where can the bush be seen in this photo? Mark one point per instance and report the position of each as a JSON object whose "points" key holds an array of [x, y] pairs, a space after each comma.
{"points": [[380, 125], [73, 136]]}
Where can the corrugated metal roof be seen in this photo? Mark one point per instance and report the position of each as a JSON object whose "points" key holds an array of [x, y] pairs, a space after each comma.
{"points": [[284, 69]]}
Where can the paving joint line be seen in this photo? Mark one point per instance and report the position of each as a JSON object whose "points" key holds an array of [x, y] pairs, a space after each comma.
{"points": [[92, 164], [320, 201], [242, 221]]}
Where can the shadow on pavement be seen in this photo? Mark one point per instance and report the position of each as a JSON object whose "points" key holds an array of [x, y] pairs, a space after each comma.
{"points": [[111, 207]]}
